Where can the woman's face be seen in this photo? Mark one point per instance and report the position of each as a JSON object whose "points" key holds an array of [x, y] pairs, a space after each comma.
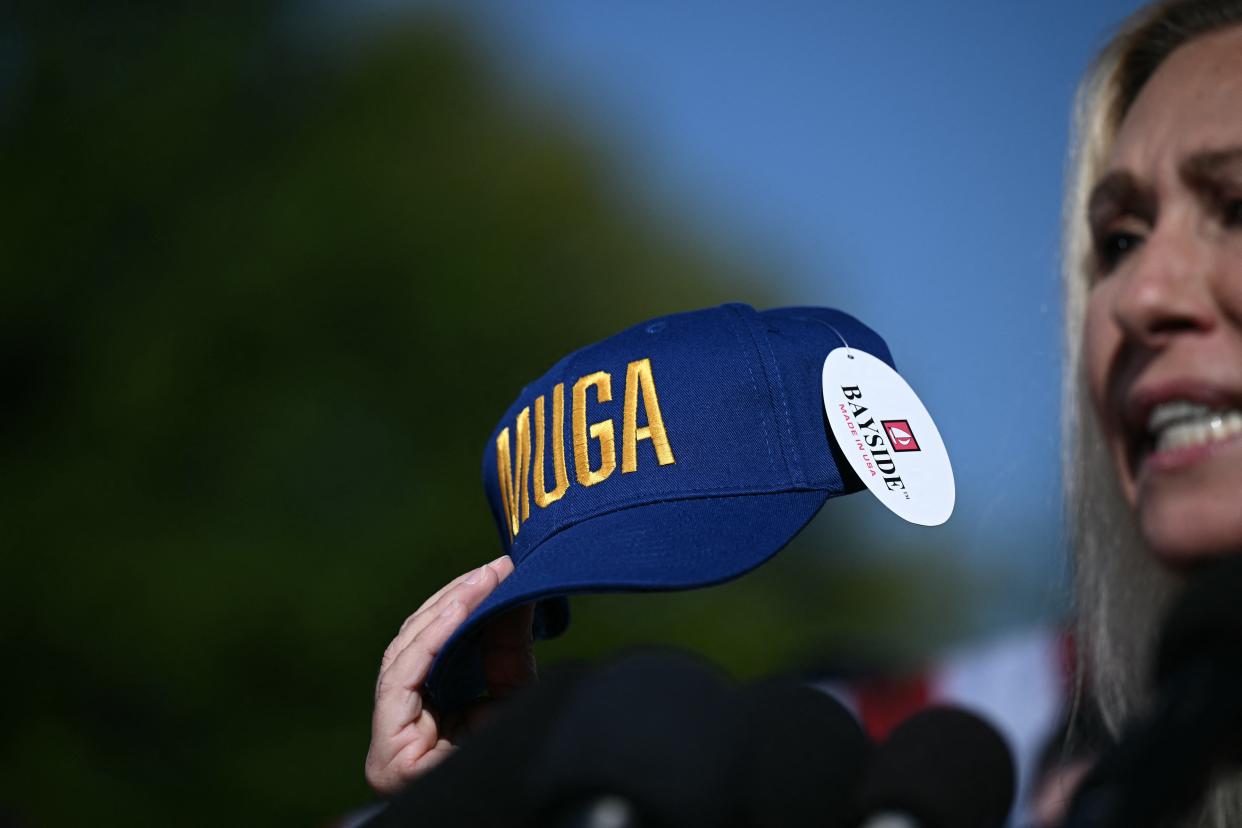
{"points": [[1163, 331]]}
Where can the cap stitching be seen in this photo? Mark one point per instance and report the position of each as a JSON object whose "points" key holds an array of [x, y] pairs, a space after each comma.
{"points": [[792, 467], [755, 387], [794, 460]]}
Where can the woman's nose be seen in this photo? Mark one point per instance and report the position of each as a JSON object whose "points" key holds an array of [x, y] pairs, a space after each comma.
{"points": [[1167, 290]]}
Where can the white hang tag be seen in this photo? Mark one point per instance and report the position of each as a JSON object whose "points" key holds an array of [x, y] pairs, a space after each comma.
{"points": [[888, 437]]}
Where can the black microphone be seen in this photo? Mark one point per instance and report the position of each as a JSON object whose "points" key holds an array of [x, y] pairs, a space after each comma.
{"points": [[651, 741], [655, 740], [941, 768], [1164, 762], [484, 784], [805, 758]]}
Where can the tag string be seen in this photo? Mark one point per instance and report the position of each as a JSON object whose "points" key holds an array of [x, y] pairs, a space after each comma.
{"points": [[831, 328]]}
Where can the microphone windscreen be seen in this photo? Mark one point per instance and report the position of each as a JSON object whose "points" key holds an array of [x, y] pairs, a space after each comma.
{"points": [[491, 760], [659, 729], [597, 811], [806, 756], [945, 767], [1206, 618]]}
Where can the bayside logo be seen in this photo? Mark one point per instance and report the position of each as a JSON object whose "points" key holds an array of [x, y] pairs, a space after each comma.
{"points": [[903, 461], [870, 440], [900, 435]]}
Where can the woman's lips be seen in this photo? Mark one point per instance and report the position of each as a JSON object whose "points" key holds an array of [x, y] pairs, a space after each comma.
{"points": [[1174, 425], [1183, 457]]}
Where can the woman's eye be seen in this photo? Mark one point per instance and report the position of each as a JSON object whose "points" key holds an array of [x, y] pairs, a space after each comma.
{"points": [[1111, 248]]}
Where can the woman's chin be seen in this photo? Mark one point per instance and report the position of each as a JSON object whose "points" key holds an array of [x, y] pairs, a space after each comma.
{"points": [[1191, 513], [1183, 536]]}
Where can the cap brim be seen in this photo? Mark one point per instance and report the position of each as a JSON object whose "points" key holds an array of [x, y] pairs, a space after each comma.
{"points": [[672, 545]]}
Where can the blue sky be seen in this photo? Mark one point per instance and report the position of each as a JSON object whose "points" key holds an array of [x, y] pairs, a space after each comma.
{"points": [[902, 161]]}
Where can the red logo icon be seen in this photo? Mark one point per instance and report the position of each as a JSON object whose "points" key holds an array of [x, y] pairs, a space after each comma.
{"points": [[900, 437]]}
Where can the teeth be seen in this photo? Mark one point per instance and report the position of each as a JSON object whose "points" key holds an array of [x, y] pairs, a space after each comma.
{"points": [[1170, 412], [1180, 424]]}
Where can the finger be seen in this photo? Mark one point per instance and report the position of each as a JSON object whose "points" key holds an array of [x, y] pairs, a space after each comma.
{"points": [[398, 697], [391, 764], [507, 649], [502, 566], [469, 593], [438, 753], [465, 588], [402, 669], [398, 700], [471, 590], [496, 566], [439, 593], [475, 581]]}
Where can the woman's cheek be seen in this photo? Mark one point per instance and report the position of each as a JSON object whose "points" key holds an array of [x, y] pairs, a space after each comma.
{"points": [[1100, 340]]}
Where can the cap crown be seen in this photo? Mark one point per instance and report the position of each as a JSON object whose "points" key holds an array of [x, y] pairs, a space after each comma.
{"points": [[722, 401]]}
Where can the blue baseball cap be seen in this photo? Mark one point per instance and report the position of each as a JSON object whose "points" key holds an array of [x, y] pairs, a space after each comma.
{"points": [[679, 453]]}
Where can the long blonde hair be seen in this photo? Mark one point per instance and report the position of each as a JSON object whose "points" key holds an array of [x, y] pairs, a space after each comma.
{"points": [[1121, 590]]}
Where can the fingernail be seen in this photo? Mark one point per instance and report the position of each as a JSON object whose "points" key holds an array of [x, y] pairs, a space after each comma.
{"points": [[476, 576], [450, 609]]}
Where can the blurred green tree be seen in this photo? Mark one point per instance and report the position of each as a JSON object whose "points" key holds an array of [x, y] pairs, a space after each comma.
{"points": [[265, 294], [266, 289]]}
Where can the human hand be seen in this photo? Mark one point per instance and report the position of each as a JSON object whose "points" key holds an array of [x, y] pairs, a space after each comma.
{"points": [[407, 737]]}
